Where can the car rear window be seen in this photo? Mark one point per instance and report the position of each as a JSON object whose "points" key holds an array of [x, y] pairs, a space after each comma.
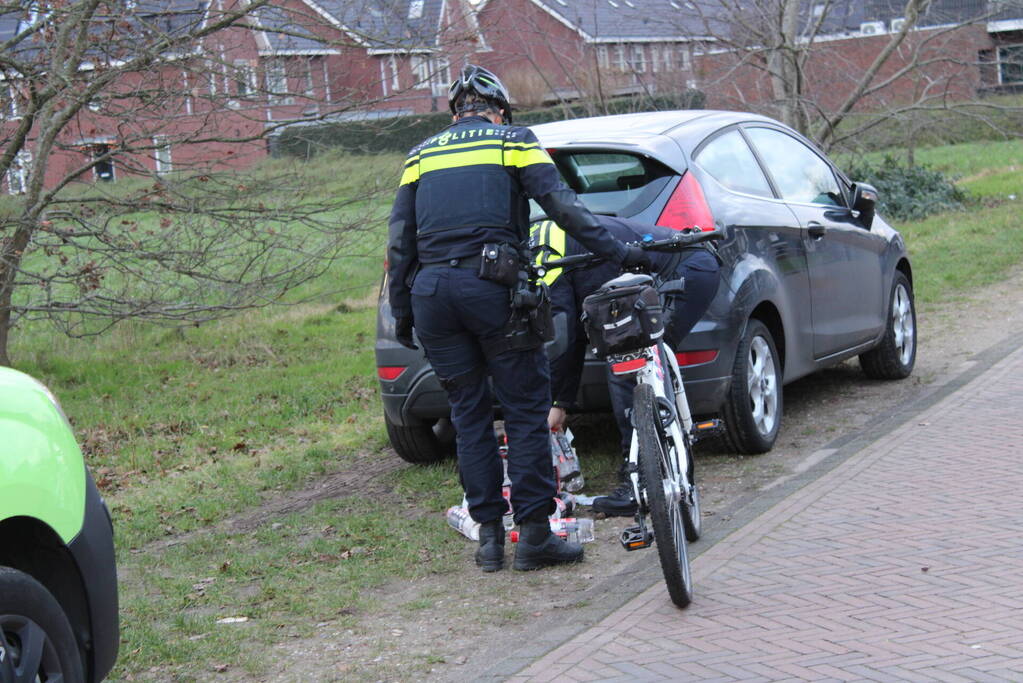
{"points": [[614, 183]]}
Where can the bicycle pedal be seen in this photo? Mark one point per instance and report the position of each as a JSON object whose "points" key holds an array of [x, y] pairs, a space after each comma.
{"points": [[635, 538], [706, 429]]}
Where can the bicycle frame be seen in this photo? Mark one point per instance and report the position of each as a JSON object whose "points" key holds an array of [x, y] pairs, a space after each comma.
{"points": [[652, 366]]}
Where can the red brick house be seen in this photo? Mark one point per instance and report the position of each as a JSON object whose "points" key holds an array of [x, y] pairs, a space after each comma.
{"points": [[563, 49], [166, 111], [310, 60]]}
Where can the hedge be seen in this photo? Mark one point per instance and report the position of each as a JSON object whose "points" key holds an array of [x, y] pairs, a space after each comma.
{"points": [[400, 133], [908, 192]]}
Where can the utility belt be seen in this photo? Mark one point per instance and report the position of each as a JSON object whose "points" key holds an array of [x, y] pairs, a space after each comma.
{"points": [[467, 262], [530, 324]]}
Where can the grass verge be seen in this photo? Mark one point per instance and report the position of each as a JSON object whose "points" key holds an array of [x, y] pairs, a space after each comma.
{"points": [[190, 430]]}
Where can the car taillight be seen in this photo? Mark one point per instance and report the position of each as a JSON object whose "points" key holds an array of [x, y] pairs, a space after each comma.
{"points": [[687, 207], [390, 372], [695, 357], [627, 366]]}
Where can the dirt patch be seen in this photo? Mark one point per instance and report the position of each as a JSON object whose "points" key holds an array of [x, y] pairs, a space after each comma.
{"points": [[364, 478], [454, 626], [365, 475]]}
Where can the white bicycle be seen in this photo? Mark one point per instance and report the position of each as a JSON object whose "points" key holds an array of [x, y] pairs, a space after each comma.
{"points": [[660, 466]]}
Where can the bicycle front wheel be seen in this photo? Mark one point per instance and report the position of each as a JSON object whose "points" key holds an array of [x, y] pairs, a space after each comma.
{"points": [[661, 481]]}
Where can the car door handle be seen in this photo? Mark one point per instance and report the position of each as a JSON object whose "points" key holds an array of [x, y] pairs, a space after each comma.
{"points": [[815, 230]]}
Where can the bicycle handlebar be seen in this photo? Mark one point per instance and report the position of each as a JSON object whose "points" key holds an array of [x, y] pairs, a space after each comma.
{"points": [[677, 242]]}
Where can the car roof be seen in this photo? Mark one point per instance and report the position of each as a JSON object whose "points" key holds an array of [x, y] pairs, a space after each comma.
{"points": [[662, 134]]}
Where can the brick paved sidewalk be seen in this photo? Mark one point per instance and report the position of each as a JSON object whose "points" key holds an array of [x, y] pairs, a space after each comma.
{"points": [[903, 563]]}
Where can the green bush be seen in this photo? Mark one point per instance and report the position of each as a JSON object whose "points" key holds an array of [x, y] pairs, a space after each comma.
{"points": [[908, 192], [399, 134]]}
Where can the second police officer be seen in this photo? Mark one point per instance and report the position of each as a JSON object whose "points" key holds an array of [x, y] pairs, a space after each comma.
{"points": [[463, 188]]}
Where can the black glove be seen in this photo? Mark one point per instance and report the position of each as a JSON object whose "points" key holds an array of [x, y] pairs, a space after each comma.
{"points": [[636, 259], [403, 332]]}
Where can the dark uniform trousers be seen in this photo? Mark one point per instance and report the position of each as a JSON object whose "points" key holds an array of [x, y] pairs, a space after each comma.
{"points": [[459, 318]]}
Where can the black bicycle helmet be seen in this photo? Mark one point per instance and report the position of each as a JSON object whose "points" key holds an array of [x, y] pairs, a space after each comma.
{"points": [[475, 80]]}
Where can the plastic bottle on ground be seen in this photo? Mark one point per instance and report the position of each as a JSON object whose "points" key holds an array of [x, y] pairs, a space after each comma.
{"points": [[574, 529], [459, 519]]}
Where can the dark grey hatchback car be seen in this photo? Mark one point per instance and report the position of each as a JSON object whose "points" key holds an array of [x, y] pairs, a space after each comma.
{"points": [[811, 276]]}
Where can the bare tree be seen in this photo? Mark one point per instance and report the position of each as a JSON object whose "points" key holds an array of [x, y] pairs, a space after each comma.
{"points": [[811, 64], [172, 99]]}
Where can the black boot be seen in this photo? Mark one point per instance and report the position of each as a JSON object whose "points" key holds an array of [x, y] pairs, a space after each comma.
{"points": [[538, 547], [490, 554], [618, 503]]}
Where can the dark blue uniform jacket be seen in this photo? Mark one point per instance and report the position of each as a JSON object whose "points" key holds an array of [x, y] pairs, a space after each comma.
{"points": [[469, 185]]}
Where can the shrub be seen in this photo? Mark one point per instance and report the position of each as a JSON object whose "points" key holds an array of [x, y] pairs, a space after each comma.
{"points": [[400, 133], [908, 192]]}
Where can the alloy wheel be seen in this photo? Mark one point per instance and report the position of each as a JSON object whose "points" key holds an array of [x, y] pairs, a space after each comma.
{"points": [[902, 324], [763, 385]]}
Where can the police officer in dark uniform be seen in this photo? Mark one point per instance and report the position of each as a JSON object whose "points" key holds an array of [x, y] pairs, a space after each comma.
{"points": [[461, 189], [698, 265]]}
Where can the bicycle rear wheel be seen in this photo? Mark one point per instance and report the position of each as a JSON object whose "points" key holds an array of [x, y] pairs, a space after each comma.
{"points": [[660, 479]]}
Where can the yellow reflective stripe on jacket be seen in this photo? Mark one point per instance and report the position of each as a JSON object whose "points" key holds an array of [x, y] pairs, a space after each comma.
{"points": [[552, 236], [411, 172], [458, 159], [476, 152], [520, 155]]}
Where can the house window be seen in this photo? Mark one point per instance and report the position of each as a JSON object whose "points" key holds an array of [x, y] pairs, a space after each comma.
{"points": [[431, 72], [620, 57], [392, 63], [9, 105], [1010, 64], [326, 82], [188, 92], [389, 75], [308, 76], [103, 166], [603, 58], [637, 60], [668, 57], [244, 78], [415, 9], [684, 58], [17, 175], [276, 80], [162, 154], [420, 72]]}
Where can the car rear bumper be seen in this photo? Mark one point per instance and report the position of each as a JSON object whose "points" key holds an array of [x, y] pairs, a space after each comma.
{"points": [[421, 399]]}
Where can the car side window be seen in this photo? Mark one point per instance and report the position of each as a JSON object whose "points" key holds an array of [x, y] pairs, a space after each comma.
{"points": [[729, 160], [799, 173]]}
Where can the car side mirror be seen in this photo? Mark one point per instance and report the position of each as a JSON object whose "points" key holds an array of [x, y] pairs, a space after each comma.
{"points": [[864, 201]]}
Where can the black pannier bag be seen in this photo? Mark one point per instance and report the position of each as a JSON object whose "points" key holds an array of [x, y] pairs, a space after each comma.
{"points": [[623, 315]]}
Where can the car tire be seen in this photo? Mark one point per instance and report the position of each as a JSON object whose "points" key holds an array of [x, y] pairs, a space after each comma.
{"points": [[424, 443], [36, 640], [895, 356], [753, 406]]}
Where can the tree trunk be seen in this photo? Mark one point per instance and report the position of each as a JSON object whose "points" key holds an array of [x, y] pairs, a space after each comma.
{"points": [[784, 68]]}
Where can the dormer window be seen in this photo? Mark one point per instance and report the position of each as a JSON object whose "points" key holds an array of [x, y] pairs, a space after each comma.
{"points": [[34, 13], [415, 9]]}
